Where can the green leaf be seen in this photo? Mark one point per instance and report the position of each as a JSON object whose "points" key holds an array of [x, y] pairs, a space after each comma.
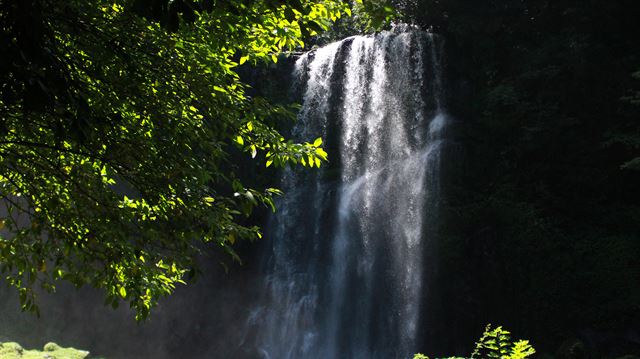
{"points": [[129, 105]]}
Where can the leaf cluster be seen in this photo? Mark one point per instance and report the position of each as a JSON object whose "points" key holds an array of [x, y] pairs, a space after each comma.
{"points": [[496, 343], [118, 127]]}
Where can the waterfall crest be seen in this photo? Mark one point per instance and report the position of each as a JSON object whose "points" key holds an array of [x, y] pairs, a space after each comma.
{"points": [[346, 268]]}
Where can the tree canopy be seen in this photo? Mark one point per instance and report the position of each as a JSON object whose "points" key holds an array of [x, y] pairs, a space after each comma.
{"points": [[121, 122]]}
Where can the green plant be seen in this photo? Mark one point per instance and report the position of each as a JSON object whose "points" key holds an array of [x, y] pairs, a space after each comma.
{"points": [[497, 343], [122, 128]]}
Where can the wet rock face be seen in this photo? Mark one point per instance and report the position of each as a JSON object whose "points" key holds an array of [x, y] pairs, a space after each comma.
{"points": [[10, 350]]}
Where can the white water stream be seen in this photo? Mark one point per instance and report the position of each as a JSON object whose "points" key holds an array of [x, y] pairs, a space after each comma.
{"points": [[345, 275]]}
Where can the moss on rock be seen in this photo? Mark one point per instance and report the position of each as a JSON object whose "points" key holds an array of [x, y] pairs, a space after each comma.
{"points": [[51, 351]]}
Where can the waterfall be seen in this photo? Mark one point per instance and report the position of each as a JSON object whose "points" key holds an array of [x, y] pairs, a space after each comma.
{"points": [[345, 275]]}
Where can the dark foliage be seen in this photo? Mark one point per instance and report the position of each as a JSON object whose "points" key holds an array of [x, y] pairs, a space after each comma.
{"points": [[542, 229]]}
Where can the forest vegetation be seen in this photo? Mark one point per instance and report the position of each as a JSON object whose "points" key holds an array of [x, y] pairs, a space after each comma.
{"points": [[542, 224], [122, 122]]}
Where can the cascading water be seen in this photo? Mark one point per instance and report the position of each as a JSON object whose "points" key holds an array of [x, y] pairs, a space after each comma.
{"points": [[346, 271]]}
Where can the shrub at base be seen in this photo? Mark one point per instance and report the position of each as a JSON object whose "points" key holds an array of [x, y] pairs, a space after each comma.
{"points": [[496, 343], [51, 351]]}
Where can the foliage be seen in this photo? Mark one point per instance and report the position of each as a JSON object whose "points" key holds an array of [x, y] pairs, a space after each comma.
{"points": [[122, 124], [50, 351], [543, 208], [374, 14], [496, 343], [368, 16]]}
